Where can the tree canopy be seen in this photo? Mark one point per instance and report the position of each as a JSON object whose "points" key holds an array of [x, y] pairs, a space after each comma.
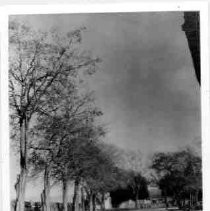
{"points": [[179, 174]]}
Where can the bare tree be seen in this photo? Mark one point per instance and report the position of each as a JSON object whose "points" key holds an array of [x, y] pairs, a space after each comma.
{"points": [[61, 132], [36, 62], [56, 137], [75, 161]]}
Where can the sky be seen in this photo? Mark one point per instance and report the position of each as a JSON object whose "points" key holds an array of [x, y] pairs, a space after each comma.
{"points": [[145, 85]]}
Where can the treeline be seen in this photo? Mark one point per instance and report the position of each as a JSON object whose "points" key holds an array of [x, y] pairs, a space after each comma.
{"points": [[134, 188], [58, 133], [179, 176], [56, 125], [54, 120]]}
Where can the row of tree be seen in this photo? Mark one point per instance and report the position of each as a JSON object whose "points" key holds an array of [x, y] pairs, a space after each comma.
{"points": [[57, 129], [179, 176], [53, 116], [133, 187], [55, 122]]}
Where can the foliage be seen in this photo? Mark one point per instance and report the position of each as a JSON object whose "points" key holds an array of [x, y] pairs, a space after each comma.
{"points": [[179, 173], [44, 69], [40, 65], [131, 185]]}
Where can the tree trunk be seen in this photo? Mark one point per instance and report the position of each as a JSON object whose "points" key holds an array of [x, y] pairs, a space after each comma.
{"points": [[75, 197], [196, 197], [65, 199], [46, 192], [94, 201], [82, 199], [178, 200], [103, 201], [136, 200], [91, 201], [20, 185], [166, 201]]}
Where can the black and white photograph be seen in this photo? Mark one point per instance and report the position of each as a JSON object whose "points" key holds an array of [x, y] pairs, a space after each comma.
{"points": [[105, 111]]}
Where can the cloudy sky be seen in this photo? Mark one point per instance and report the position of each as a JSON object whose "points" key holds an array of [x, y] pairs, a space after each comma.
{"points": [[146, 84]]}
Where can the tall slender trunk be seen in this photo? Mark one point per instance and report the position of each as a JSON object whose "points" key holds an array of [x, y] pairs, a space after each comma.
{"points": [[190, 201], [94, 201], [136, 200], [103, 201], [75, 197], [165, 198], [82, 199], [46, 192], [20, 185], [196, 197], [179, 201], [91, 201], [65, 199]]}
